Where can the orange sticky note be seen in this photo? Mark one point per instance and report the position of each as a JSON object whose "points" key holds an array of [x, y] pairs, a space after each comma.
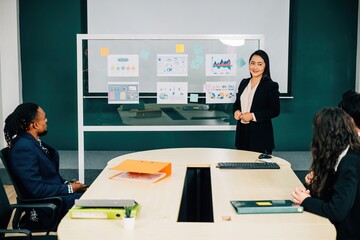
{"points": [[180, 48], [104, 52]]}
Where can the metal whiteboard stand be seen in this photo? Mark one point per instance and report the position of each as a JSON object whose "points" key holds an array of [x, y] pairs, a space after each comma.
{"points": [[161, 41]]}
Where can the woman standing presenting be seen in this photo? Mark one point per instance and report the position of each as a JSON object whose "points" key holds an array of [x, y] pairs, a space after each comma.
{"points": [[257, 102]]}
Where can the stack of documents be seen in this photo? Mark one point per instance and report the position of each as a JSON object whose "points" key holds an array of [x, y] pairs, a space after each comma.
{"points": [[142, 171], [101, 212]]}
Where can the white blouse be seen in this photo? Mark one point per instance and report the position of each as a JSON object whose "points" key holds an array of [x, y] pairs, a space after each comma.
{"points": [[246, 99], [341, 156]]}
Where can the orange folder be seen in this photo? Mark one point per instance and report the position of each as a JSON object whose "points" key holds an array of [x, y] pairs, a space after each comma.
{"points": [[144, 166]]}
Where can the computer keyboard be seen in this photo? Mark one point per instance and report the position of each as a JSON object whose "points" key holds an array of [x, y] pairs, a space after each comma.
{"points": [[248, 165]]}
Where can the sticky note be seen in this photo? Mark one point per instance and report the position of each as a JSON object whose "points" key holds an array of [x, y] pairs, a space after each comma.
{"points": [[194, 97], [104, 52], [180, 48], [199, 59], [240, 62], [263, 203], [144, 54], [198, 50], [195, 64]]}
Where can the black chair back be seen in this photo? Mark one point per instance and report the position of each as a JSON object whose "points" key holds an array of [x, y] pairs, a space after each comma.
{"points": [[5, 209], [4, 155], [6, 213]]}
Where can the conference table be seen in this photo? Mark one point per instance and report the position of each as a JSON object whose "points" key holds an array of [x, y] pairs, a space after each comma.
{"points": [[160, 202]]}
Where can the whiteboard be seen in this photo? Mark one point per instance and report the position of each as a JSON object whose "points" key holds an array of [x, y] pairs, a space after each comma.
{"points": [[269, 18], [145, 52]]}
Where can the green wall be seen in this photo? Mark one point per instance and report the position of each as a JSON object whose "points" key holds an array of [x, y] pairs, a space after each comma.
{"points": [[323, 37], [48, 31]]}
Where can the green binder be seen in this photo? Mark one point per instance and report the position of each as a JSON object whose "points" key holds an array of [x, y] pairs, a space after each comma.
{"points": [[266, 206], [101, 213]]}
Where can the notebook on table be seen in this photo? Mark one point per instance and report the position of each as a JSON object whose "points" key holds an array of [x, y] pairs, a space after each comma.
{"points": [[266, 206], [104, 203], [103, 210]]}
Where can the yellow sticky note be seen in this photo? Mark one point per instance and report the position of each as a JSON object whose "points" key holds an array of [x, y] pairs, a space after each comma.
{"points": [[263, 203], [104, 52], [180, 48]]}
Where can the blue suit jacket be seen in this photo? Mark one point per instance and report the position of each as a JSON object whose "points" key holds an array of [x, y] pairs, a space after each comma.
{"points": [[37, 171]]}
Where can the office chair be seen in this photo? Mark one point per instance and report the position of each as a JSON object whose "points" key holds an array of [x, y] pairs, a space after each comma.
{"points": [[6, 210], [57, 201]]}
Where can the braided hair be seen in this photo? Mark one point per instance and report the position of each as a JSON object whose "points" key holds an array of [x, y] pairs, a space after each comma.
{"points": [[19, 121]]}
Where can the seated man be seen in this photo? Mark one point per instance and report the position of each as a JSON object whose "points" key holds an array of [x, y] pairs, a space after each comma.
{"points": [[35, 164]]}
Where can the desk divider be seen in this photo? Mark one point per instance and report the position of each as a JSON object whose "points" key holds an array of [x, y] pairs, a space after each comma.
{"points": [[196, 202]]}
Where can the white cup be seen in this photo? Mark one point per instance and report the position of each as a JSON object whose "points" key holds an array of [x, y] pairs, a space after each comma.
{"points": [[128, 222]]}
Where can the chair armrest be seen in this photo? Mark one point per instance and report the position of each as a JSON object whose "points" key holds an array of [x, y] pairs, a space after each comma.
{"points": [[58, 201], [22, 207], [18, 231], [33, 206], [55, 200]]}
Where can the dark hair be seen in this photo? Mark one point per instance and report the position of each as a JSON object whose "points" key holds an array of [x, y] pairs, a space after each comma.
{"points": [[265, 57], [19, 121], [333, 132], [346, 95], [351, 105]]}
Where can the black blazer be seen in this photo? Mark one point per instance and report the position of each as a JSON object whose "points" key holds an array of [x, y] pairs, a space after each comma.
{"points": [[343, 206], [258, 136]]}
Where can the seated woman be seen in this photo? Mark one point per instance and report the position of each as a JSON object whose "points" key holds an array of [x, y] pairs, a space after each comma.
{"points": [[334, 189]]}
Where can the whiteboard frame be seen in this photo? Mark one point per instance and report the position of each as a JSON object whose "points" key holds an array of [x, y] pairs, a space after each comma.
{"points": [[80, 91]]}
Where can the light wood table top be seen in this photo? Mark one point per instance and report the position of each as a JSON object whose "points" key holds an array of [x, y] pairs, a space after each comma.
{"points": [[160, 202]]}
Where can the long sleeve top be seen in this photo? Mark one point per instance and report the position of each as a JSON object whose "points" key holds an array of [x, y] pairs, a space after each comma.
{"points": [[342, 207]]}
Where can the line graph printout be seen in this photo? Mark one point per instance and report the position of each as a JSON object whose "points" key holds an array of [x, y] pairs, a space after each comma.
{"points": [[220, 65], [172, 65]]}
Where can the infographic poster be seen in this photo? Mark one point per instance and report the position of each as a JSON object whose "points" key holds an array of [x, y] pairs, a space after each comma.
{"points": [[172, 92], [220, 65], [123, 92], [175, 65], [220, 92], [123, 65]]}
